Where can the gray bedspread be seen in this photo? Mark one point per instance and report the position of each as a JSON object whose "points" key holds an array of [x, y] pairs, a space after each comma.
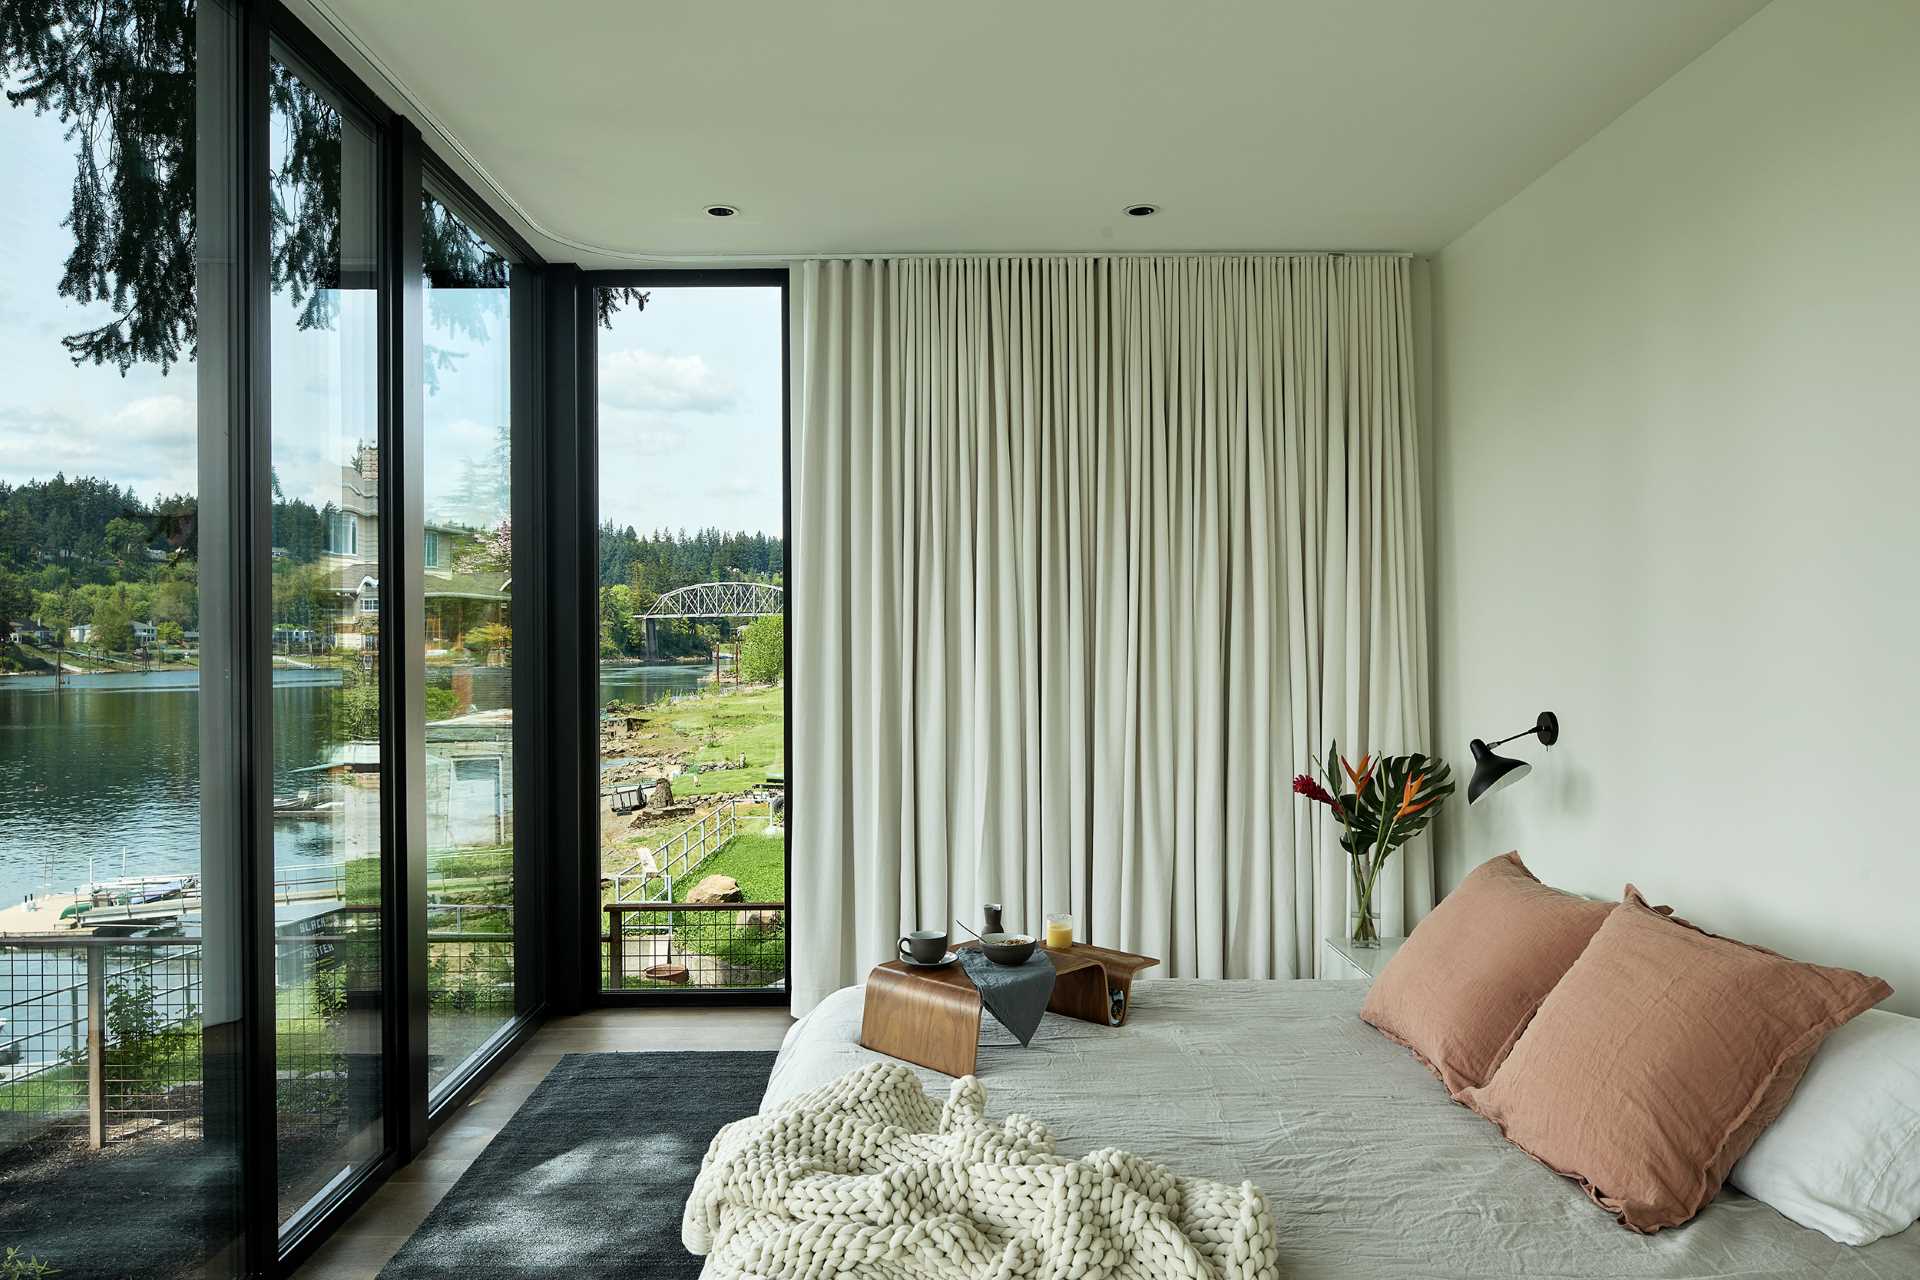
{"points": [[1371, 1170]]}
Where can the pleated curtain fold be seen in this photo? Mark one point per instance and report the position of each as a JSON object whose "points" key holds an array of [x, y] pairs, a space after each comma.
{"points": [[1090, 554]]}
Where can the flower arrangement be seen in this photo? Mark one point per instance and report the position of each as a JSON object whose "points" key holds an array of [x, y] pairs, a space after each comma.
{"points": [[1391, 801]]}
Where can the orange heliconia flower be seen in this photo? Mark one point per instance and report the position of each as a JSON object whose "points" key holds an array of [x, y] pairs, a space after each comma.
{"points": [[1407, 806], [1361, 776]]}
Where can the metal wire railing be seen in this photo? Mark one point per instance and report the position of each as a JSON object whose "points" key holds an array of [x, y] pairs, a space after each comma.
{"points": [[100, 1035], [100, 1038], [699, 945], [651, 879], [328, 998], [470, 972]]}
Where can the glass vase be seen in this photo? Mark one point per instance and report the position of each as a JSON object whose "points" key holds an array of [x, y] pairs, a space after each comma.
{"points": [[1363, 916], [1363, 926]]}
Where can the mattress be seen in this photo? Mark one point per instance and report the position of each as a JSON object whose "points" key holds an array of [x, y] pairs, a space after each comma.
{"points": [[1372, 1171]]}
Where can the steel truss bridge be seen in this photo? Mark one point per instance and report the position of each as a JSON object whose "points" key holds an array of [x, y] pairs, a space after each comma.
{"points": [[718, 600]]}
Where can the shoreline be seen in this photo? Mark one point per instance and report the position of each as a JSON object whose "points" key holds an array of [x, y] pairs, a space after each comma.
{"points": [[167, 678]]}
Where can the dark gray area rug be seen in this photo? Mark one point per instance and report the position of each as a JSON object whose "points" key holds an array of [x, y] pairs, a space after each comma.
{"points": [[589, 1177]]}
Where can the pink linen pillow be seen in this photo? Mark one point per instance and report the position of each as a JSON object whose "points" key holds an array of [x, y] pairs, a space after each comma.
{"points": [[1660, 1058], [1464, 983]]}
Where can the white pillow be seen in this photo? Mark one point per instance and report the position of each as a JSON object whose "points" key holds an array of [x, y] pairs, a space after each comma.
{"points": [[1844, 1157]]}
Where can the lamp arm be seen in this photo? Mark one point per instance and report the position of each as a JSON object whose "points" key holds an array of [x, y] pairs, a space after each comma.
{"points": [[1546, 727], [1524, 733]]}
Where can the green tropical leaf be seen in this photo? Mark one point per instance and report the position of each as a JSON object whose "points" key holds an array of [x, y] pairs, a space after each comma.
{"points": [[1330, 766], [1379, 803]]}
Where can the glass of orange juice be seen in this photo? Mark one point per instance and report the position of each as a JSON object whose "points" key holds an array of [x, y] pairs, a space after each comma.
{"points": [[1060, 930]]}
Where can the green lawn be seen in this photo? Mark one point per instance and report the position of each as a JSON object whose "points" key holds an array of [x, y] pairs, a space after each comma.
{"points": [[170, 1056], [146, 1052], [721, 725], [54, 1091], [469, 875], [758, 862]]}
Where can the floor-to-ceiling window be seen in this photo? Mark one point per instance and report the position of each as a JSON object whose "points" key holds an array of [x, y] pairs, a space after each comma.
{"points": [[329, 858], [119, 974], [222, 525], [692, 553], [467, 572]]}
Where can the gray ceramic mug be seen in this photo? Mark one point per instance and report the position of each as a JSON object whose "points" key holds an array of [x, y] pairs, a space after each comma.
{"points": [[928, 946]]}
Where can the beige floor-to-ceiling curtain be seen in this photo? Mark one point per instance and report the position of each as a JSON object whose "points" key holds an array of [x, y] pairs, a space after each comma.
{"points": [[1089, 555]]}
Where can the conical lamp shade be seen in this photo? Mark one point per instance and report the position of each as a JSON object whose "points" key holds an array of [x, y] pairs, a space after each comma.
{"points": [[1492, 772]]}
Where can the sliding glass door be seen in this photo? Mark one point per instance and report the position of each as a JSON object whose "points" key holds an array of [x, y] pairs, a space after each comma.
{"points": [[691, 413], [121, 1009], [467, 571], [330, 861], [267, 363]]}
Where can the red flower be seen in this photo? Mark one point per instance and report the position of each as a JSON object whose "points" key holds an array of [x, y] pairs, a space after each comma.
{"points": [[1304, 785]]}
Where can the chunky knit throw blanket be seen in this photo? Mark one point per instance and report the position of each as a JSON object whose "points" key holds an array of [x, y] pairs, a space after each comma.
{"points": [[869, 1177]]}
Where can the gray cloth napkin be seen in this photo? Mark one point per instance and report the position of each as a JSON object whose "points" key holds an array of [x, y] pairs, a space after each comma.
{"points": [[1016, 996]]}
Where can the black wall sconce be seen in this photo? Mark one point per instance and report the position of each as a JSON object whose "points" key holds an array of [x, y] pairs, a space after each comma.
{"points": [[1492, 772]]}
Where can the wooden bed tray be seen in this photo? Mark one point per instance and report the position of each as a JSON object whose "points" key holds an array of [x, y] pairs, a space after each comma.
{"points": [[932, 1016]]}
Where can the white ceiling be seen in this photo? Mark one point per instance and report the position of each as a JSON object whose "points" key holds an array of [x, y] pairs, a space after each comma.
{"points": [[991, 125]]}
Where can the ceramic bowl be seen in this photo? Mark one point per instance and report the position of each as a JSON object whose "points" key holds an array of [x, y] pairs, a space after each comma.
{"points": [[1008, 948]]}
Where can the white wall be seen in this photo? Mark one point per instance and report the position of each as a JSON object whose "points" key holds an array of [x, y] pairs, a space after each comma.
{"points": [[1677, 486]]}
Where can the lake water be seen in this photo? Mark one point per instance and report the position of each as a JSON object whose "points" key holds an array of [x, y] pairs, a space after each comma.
{"points": [[105, 771], [643, 686], [102, 777]]}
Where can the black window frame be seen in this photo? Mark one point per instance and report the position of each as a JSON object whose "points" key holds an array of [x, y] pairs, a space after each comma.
{"points": [[530, 699], [244, 776], [584, 787], [277, 36], [554, 505]]}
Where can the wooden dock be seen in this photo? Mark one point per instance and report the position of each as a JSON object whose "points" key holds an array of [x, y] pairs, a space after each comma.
{"points": [[41, 920]]}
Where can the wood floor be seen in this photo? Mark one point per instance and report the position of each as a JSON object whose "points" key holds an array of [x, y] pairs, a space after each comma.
{"points": [[373, 1235]]}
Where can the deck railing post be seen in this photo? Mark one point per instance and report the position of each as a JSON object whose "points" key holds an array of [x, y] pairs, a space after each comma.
{"points": [[96, 1047], [616, 962]]}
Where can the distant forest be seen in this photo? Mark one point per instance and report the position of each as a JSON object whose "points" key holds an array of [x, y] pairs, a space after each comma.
{"points": [[61, 533], [74, 550], [67, 545], [637, 569], [88, 551]]}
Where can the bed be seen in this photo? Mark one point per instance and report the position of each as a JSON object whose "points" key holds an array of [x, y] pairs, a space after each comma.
{"points": [[1370, 1168]]}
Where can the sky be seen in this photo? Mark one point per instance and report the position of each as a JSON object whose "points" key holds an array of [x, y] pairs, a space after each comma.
{"points": [[54, 416], [690, 407], [139, 430], [690, 412]]}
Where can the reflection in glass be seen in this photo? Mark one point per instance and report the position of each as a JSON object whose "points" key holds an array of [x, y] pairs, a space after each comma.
{"points": [[328, 863], [468, 583], [115, 1002]]}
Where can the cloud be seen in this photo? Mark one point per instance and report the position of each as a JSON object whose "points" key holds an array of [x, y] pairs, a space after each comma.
{"points": [[158, 421], [463, 483], [656, 474], [453, 441], [628, 437], [740, 486], [308, 463], [149, 444], [643, 380]]}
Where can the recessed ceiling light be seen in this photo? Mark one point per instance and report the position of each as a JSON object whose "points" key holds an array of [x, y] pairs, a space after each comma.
{"points": [[1141, 210], [721, 211]]}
